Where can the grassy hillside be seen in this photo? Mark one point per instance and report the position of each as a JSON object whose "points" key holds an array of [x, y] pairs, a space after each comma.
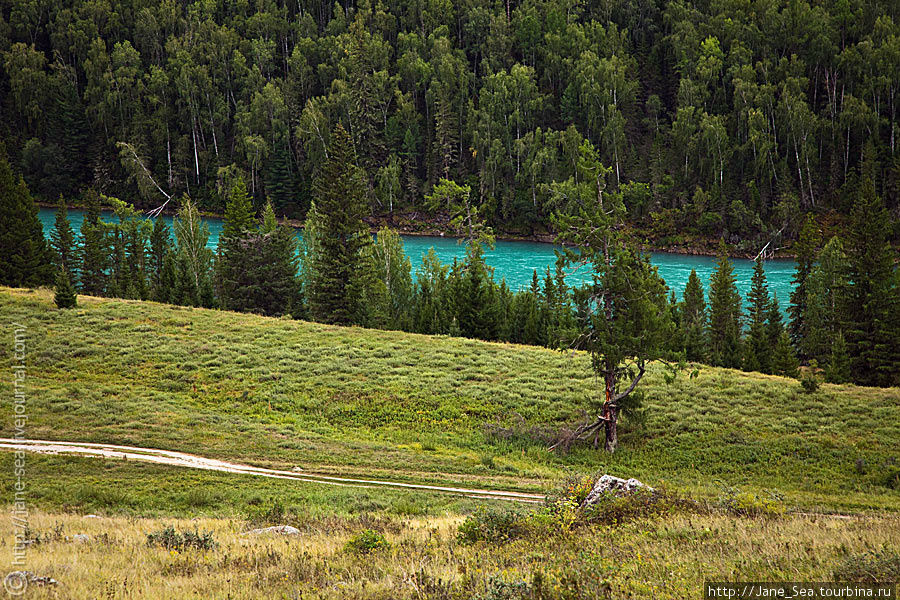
{"points": [[275, 392]]}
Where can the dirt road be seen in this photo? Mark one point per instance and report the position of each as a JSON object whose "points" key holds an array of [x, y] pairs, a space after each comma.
{"points": [[191, 461]]}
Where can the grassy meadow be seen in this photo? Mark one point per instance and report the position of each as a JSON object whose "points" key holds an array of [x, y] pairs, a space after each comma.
{"points": [[423, 558], [350, 401], [746, 461]]}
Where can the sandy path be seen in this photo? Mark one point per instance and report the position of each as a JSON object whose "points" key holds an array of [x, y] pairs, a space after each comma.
{"points": [[181, 459]]}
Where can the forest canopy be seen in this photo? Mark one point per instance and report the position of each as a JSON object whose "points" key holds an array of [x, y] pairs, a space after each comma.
{"points": [[727, 118]]}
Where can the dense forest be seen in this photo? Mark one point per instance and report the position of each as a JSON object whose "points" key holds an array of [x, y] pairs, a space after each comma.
{"points": [[727, 118]]}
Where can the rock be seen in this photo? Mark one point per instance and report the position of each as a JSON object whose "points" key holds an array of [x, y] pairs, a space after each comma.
{"points": [[296, 470], [277, 529], [616, 486], [81, 538], [92, 517]]}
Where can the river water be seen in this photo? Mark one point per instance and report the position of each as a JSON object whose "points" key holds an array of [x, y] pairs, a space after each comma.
{"points": [[515, 261]]}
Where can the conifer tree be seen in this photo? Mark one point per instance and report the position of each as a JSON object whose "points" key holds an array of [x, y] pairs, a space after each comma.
{"points": [[334, 290], [693, 319], [784, 361], [94, 255], [757, 352], [25, 258], [872, 298], [805, 250], [62, 241], [65, 291], [838, 368], [724, 314], [160, 247]]}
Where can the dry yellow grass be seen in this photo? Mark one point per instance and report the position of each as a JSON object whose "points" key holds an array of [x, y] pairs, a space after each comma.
{"points": [[665, 558]]}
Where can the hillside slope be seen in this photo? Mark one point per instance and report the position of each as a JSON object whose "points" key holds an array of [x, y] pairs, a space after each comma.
{"points": [[277, 393]]}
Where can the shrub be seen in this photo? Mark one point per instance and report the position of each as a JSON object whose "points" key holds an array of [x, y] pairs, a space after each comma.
{"points": [[747, 504], [878, 566], [809, 383], [366, 542], [491, 525], [170, 539]]}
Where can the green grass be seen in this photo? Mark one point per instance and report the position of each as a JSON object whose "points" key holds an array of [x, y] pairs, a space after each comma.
{"points": [[275, 392]]}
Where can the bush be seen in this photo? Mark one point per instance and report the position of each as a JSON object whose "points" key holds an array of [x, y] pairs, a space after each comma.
{"points": [[170, 539], [491, 525], [366, 542], [880, 566], [746, 504], [809, 383]]}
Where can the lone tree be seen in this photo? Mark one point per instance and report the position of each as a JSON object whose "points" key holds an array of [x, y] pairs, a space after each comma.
{"points": [[623, 311]]}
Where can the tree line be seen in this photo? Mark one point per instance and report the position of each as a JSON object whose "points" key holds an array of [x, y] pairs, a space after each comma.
{"points": [[717, 119], [842, 318]]}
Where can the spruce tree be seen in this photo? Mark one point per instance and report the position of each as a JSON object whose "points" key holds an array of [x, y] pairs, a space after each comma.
{"points": [[724, 314], [758, 351], [94, 255], [805, 251], [784, 361], [25, 258], [62, 241], [160, 247], [65, 291], [872, 298], [334, 290], [693, 320], [838, 368]]}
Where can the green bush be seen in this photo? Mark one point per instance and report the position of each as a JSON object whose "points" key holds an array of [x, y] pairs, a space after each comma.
{"points": [[878, 566], [491, 524], [366, 542], [170, 539], [746, 504]]}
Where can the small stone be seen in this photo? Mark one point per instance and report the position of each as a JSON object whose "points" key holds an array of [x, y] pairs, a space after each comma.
{"points": [[81, 538], [276, 529], [296, 469], [92, 517]]}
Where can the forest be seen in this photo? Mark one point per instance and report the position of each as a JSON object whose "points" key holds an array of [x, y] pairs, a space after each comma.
{"points": [[719, 119]]}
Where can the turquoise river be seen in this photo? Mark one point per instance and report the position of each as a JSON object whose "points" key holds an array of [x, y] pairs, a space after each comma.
{"points": [[515, 261]]}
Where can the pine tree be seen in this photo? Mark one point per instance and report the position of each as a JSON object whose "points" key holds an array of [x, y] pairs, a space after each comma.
{"points": [[838, 368], [239, 217], [693, 320], [758, 352], [94, 256], [724, 314], [872, 298], [62, 241], [25, 258], [65, 291], [160, 247], [784, 361], [332, 279], [805, 250]]}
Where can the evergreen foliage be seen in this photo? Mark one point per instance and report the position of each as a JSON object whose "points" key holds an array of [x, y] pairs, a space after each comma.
{"points": [[724, 314], [25, 258], [65, 291], [334, 287]]}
